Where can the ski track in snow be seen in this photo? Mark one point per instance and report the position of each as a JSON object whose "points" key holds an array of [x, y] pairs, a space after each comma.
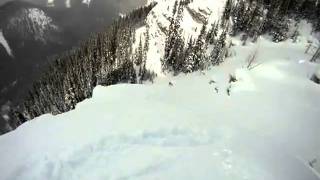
{"points": [[5, 44]]}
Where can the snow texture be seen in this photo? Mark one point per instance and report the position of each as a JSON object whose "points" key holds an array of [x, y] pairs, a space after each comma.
{"points": [[266, 128], [263, 126]]}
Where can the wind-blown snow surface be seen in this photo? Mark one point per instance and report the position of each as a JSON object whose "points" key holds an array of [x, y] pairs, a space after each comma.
{"points": [[267, 129], [5, 44]]}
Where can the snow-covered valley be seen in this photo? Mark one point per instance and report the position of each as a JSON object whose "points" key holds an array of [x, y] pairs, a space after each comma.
{"points": [[267, 128]]}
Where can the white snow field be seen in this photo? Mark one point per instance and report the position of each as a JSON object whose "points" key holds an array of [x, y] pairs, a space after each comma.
{"points": [[267, 129]]}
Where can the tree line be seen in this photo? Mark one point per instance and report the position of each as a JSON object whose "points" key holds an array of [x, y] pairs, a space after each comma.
{"points": [[257, 17], [252, 18]]}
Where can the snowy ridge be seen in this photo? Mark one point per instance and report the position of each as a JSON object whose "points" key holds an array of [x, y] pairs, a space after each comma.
{"points": [[5, 44], [33, 21]]}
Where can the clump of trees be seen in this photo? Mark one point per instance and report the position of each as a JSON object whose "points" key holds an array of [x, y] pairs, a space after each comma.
{"points": [[251, 18], [180, 56], [257, 17], [106, 58]]}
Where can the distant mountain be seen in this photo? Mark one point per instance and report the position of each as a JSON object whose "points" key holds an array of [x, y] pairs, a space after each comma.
{"points": [[30, 34]]}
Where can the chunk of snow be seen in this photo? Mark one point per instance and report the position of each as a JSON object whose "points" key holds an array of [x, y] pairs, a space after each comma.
{"points": [[68, 3], [87, 2], [5, 44], [50, 3]]}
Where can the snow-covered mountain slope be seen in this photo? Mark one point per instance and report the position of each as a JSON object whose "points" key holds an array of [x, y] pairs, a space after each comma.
{"points": [[193, 19], [5, 44], [263, 126], [35, 33], [32, 22]]}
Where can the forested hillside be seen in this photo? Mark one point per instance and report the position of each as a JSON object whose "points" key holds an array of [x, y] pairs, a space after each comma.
{"points": [[105, 59], [109, 57]]}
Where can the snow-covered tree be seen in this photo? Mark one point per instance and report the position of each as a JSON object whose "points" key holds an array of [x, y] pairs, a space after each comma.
{"points": [[174, 42], [217, 55], [227, 13], [200, 59], [212, 34], [188, 65]]}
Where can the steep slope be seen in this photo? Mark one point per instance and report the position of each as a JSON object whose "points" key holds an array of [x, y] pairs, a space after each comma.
{"points": [[265, 128], [32, 23], [31, 34], [194, 16], [27, 21], [254, 116]]}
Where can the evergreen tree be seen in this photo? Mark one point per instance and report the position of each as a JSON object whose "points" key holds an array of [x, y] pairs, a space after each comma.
{"points": [[170, 37], [239, 18], [256, 21], [212, 34], [227, 13], [188, 65], [317, 14], [280, 28], [139, 54], [174, 42], [218, 53], [200, 50], [143, 70]]}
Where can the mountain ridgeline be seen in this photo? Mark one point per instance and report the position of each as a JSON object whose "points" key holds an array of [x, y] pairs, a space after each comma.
{"points": [[108, 58]]}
